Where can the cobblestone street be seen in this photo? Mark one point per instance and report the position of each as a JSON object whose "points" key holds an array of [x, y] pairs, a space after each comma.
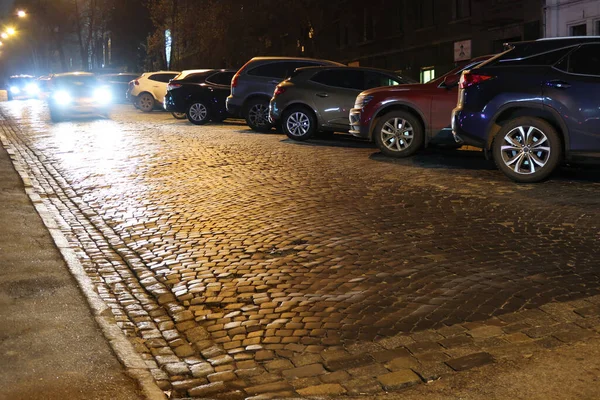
{"points": [[242, 264]]}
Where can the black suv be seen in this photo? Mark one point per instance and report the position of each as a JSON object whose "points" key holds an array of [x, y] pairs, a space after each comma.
{"points": [[534, 106], [253, 85]]}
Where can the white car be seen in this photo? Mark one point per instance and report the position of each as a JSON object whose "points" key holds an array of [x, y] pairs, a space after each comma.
{"points": [[149, 89]]}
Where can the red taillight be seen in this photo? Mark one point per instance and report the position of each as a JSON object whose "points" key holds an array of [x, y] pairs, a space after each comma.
{"points": [[278, 90], [172, 86], [469, 79], [136, 82]]}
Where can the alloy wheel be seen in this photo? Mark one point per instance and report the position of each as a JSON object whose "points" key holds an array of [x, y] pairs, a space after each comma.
{"points": [[198, 112], [525, 149], [259, 115], [298, 124], [397, 134], [146, 102]]}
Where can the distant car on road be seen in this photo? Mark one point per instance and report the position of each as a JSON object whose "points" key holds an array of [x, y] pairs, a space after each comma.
{"points": [[118, 84], [253, 85], [149, 89], [320, 98], [534, 106], [78, 93], [200, 94], [403, 119], [22, 87]]}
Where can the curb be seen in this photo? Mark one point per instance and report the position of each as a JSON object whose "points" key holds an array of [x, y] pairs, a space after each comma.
{"points": [[135, 366]]}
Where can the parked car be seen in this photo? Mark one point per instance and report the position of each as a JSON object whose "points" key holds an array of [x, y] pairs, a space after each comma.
{"points": [[78, 93], [534, 106], [43, 83], [320, 98], [118, 84], [149, 89], [253, 85], [22, 87], [200, 94], [403, 119]]}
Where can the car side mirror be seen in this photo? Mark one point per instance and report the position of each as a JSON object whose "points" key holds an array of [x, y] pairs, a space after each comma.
{"points": [[450, 81]]}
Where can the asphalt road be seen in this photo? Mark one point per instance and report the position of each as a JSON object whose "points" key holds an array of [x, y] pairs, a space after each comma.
{"points": [[218, 243]]}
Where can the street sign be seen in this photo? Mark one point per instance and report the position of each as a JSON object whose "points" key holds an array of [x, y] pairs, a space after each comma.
{"points": [[462, 50]]}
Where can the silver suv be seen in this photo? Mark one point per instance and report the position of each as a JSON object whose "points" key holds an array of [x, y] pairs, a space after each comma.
{"points": [[253, 85]]}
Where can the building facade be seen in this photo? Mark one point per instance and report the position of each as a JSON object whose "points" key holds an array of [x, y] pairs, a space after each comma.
{"points": [[425, 38], [572, 18]]}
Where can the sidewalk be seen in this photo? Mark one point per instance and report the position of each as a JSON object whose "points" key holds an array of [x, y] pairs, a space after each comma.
{"points": [[50, 345]]}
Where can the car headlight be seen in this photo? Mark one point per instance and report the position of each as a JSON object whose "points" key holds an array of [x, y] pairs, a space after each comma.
{"points": [[62, 98], [15, 89], [362, 101], [103, 96], [32, 88]]}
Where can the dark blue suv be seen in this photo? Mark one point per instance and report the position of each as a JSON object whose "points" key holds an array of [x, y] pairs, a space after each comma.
{"points": [[534, 106]]}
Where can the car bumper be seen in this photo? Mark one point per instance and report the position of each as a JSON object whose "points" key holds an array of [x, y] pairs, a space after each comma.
{"points": [[462, 135], [274, 113], [171, 105], [233, 109], [356, 128]]}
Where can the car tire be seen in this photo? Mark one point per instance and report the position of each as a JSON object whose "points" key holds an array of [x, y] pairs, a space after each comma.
{"points": [[178, 115], [198, 114], [145, 102], [399, 134], [527, 149], [299, 123], [257, 115]]}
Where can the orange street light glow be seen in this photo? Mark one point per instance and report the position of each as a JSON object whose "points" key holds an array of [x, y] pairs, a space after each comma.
{"points": [[4, 35], [10, 31], [21, 14]]}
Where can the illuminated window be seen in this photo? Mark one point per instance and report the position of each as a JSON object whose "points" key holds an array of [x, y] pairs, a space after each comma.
{"points": [[427, 74]]}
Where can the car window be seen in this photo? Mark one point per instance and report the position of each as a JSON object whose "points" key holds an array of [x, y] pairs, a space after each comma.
{"points": [[585, 61], [376, 79], [221, 78], [547, 58], [271, 70], [349, 79], [162, 77], [281, 69], [196, 78]]}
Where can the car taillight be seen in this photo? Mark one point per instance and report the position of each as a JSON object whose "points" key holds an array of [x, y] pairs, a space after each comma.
{"points": [[278, 90], [469, 79], [136, 82], [172, 86]]}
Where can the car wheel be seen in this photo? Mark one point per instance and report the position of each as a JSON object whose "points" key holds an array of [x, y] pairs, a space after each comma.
{"points": [[527, 149], [257, 115], [299, 123], [178, 115], [197, 114], [399, 134], [146, 102]]}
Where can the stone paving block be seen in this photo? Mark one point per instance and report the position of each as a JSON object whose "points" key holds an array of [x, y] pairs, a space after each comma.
{"points": [[388, 355], [431, 357], [396, 341], [456, 341], [350, 362], [371, 370], [401, 363], [278, 365], [485, 332], [268, 387], [573, 334], [398, 379], [335, 377], [305, 371], [362, 386], [589, 311], [431, 371], [302, 383], [424, 347], [326, 389], [208, 389], [470, 361], [222, 376], [187, 384]]}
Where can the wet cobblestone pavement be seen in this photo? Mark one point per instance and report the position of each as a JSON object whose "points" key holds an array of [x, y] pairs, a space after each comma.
{"points": [[243, 264]]}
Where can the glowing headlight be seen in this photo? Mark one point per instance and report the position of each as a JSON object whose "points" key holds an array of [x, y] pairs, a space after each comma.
{"points": [[32, 88], [103, 96], [62, 98], [15, 89]]}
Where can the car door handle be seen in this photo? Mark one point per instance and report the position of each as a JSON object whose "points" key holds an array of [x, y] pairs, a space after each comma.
{"points": [[323, 94], [558, 84]]}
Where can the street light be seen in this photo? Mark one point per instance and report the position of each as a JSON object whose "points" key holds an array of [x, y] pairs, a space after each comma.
{"points": [[10, 31], [4, 35], [21, 14]]}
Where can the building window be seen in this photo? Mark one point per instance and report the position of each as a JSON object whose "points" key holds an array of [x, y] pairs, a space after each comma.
{"points": [[578, 30], [462, 9], [399, 17], [598, 27], [427, 74], [425, 12], [368, 25]]}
